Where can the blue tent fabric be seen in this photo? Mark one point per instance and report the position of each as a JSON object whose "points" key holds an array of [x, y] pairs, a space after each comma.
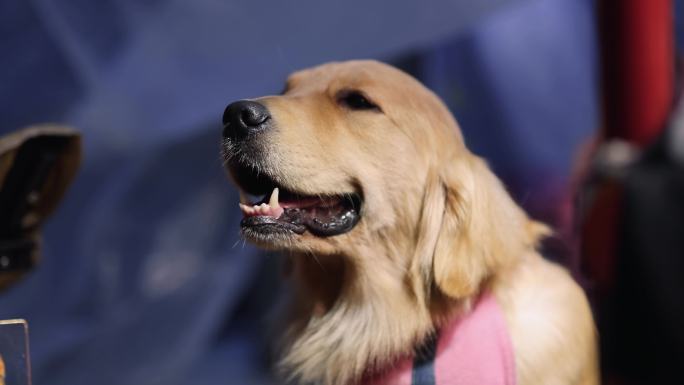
{"points": [[131, 299], [523, 86], [144, 279]]}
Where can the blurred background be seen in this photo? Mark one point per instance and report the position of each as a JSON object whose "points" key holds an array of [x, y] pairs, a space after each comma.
{"points": [[144, 279]]}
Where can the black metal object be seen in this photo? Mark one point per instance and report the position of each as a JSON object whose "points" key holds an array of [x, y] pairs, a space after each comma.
{"points": [[20, 194], [36, 166]]}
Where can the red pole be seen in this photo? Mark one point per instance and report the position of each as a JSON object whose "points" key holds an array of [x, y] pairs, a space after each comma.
{"points": [[637, 68], [637, 57], [637, 79]]}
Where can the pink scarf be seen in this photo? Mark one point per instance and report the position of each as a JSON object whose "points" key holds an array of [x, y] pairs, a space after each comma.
{"points": [[474, 349]]}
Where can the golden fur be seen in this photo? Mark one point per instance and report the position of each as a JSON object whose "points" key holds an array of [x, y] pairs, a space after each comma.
{"points": [[437, 228]]}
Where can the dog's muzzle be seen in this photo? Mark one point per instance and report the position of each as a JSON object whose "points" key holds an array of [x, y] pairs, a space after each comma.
{"points": [[277, 210]]}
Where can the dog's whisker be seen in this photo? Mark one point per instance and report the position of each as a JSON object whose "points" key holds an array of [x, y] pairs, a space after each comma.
{"points": [[236, 243]]}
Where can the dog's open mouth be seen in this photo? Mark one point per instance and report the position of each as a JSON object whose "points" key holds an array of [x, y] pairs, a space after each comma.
{"points": [[281, 211]]}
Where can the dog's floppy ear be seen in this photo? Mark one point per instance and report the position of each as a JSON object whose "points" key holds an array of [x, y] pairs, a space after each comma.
{"points": [[481, 228]]}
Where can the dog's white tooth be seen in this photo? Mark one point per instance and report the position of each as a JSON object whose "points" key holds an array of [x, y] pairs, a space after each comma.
{"points": [[273, 202], [246, 209]]}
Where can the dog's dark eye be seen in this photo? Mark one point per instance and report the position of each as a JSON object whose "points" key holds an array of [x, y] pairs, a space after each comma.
{"points": [[355, 100]]}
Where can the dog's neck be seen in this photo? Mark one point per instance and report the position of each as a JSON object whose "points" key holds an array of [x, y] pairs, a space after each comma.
{"points": [[351, 320]]}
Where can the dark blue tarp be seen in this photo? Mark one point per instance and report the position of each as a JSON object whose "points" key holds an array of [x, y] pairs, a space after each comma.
{"points": [[144, 280]]}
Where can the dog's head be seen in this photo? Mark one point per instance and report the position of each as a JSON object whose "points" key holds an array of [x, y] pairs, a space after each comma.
{"points": [[358, 156]]}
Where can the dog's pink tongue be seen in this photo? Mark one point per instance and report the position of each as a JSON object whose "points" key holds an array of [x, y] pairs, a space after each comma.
{"points": [[270, 209], [301, 203]]}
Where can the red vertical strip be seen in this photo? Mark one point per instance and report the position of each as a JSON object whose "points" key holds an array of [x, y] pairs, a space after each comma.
{"points": [[637, 43], [637, 69]]}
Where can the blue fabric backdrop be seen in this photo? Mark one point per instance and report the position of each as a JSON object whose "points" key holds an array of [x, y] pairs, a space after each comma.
{"points": [[144, 280]]}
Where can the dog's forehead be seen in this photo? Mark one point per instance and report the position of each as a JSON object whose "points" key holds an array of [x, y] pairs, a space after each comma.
{"points": [[349, 74]]}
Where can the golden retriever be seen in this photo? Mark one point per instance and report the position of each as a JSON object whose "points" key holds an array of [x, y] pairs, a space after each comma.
{"points": [[391, 228]]}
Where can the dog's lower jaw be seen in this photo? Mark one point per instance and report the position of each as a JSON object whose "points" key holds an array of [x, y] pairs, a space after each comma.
{"points": [[275, 241], [372, 321]]}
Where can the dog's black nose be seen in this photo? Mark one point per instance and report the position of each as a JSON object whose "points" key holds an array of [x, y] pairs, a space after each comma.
{"points": [[243, 117]]}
